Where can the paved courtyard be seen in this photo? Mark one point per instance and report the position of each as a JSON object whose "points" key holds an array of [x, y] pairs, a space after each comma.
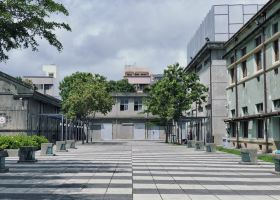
{"points": [[139, 170]]}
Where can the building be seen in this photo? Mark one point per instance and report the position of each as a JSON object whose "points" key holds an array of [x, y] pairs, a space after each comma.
{"points": [[140, 77], [23, 110], [221, 22], [126, 121], [46, 83], [205, 58], [253, 95]]}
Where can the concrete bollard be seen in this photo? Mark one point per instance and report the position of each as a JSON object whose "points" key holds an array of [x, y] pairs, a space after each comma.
{"points": [[199, 145], [61, 146], [47, 149], [70, 144], [190, 144], [3, 155], [210, 147], [249, 156], [27, 154], [277, 163]]}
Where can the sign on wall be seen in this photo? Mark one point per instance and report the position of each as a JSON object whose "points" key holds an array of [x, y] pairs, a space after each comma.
{"points": [[2, 120]]}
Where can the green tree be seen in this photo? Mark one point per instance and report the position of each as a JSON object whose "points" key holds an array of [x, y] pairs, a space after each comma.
{"points": [[23, 22], [173, 94], [120, 86], [83, 95]]}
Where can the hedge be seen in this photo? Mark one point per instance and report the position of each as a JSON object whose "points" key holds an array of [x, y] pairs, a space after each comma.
{"points": [[16, 141]]}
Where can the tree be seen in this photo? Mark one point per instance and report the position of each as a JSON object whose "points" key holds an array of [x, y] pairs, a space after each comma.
{"points": [[83, 95], [173, 94], [120, 86], [23, 22]]}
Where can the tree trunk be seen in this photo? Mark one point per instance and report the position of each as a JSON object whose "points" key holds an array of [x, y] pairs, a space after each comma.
{"points": [[166, 132], [83, 135], [87, 131]]}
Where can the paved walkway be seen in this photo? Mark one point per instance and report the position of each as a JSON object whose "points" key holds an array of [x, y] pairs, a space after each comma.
{"points": [[139, 171]]}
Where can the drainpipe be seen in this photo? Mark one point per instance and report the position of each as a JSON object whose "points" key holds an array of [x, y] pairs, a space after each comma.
{"points": [[211, 99], [236, 100], [265, 88]]}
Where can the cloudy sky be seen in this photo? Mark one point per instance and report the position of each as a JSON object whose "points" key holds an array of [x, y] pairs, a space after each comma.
{"points": [[107, 34]]}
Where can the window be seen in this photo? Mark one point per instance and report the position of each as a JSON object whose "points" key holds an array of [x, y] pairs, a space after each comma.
{"points": [[124, 104], [276, 104], [258, 60], [232, 75], [245, 110], [233, 129], [51, 75], [258, 40], [276, 50], [198, 68], [233, 113], [200, 108], [243, 51], [259, 107], [137, 104], [275, 28], [260, 127], [231, 59], [276, 71], [244, 68], [244, 126]]}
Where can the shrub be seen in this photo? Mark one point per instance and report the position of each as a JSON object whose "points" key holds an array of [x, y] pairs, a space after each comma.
{"points": [[17, 141]]}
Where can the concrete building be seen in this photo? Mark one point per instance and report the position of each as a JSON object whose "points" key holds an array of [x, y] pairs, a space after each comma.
{"points": [[253, 95], [221, 22], [205, 58], [48, 82], [126, 121], [140, 77], [23, 110]]}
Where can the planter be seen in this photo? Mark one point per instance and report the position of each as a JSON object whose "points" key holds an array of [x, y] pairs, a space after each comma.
{"points": [[61, 146], [47, 149], [27, 154], [277, 163], [70, 144], [12, 152], [3, 155], [190, 143], [249, 156], [199, 145], [210, 147]]}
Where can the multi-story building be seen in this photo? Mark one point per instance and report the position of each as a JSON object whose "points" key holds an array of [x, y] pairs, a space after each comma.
{"points": [[205, 58], [23, 110], [126, 121], [253, 95], [47, 83], [140, 77]]}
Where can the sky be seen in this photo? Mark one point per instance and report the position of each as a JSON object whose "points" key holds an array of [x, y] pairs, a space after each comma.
{"points": [[109, 34]]}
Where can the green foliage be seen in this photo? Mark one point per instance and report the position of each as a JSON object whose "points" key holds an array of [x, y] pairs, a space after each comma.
{"points": [[23, 22], [174, 93], [263, 157], [17, 141], [3, 146], [120, 86], [231, 151], [84, 94]]}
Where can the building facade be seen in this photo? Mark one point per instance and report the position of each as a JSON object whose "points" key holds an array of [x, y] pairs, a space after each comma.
{"points": [[221, 22], [46, 83], [206, 121], [23, 110], [139, 77], [253, 95], [126, 121], [205, 58]]}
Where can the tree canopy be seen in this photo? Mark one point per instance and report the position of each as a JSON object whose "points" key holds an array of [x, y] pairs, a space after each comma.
{"points": [[174, 93], [120, 86], [84, 94], [23, 22]]}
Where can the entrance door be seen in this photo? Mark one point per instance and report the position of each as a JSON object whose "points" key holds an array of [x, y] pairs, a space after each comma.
{"points": [[106, 131], [139, 131]]}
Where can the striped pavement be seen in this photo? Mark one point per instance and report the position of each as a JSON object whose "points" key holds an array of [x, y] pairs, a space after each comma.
{"points": [[139, 170]]}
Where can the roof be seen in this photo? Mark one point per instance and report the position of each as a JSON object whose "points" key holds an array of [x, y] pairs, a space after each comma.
{"points": [[129, 94]]}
